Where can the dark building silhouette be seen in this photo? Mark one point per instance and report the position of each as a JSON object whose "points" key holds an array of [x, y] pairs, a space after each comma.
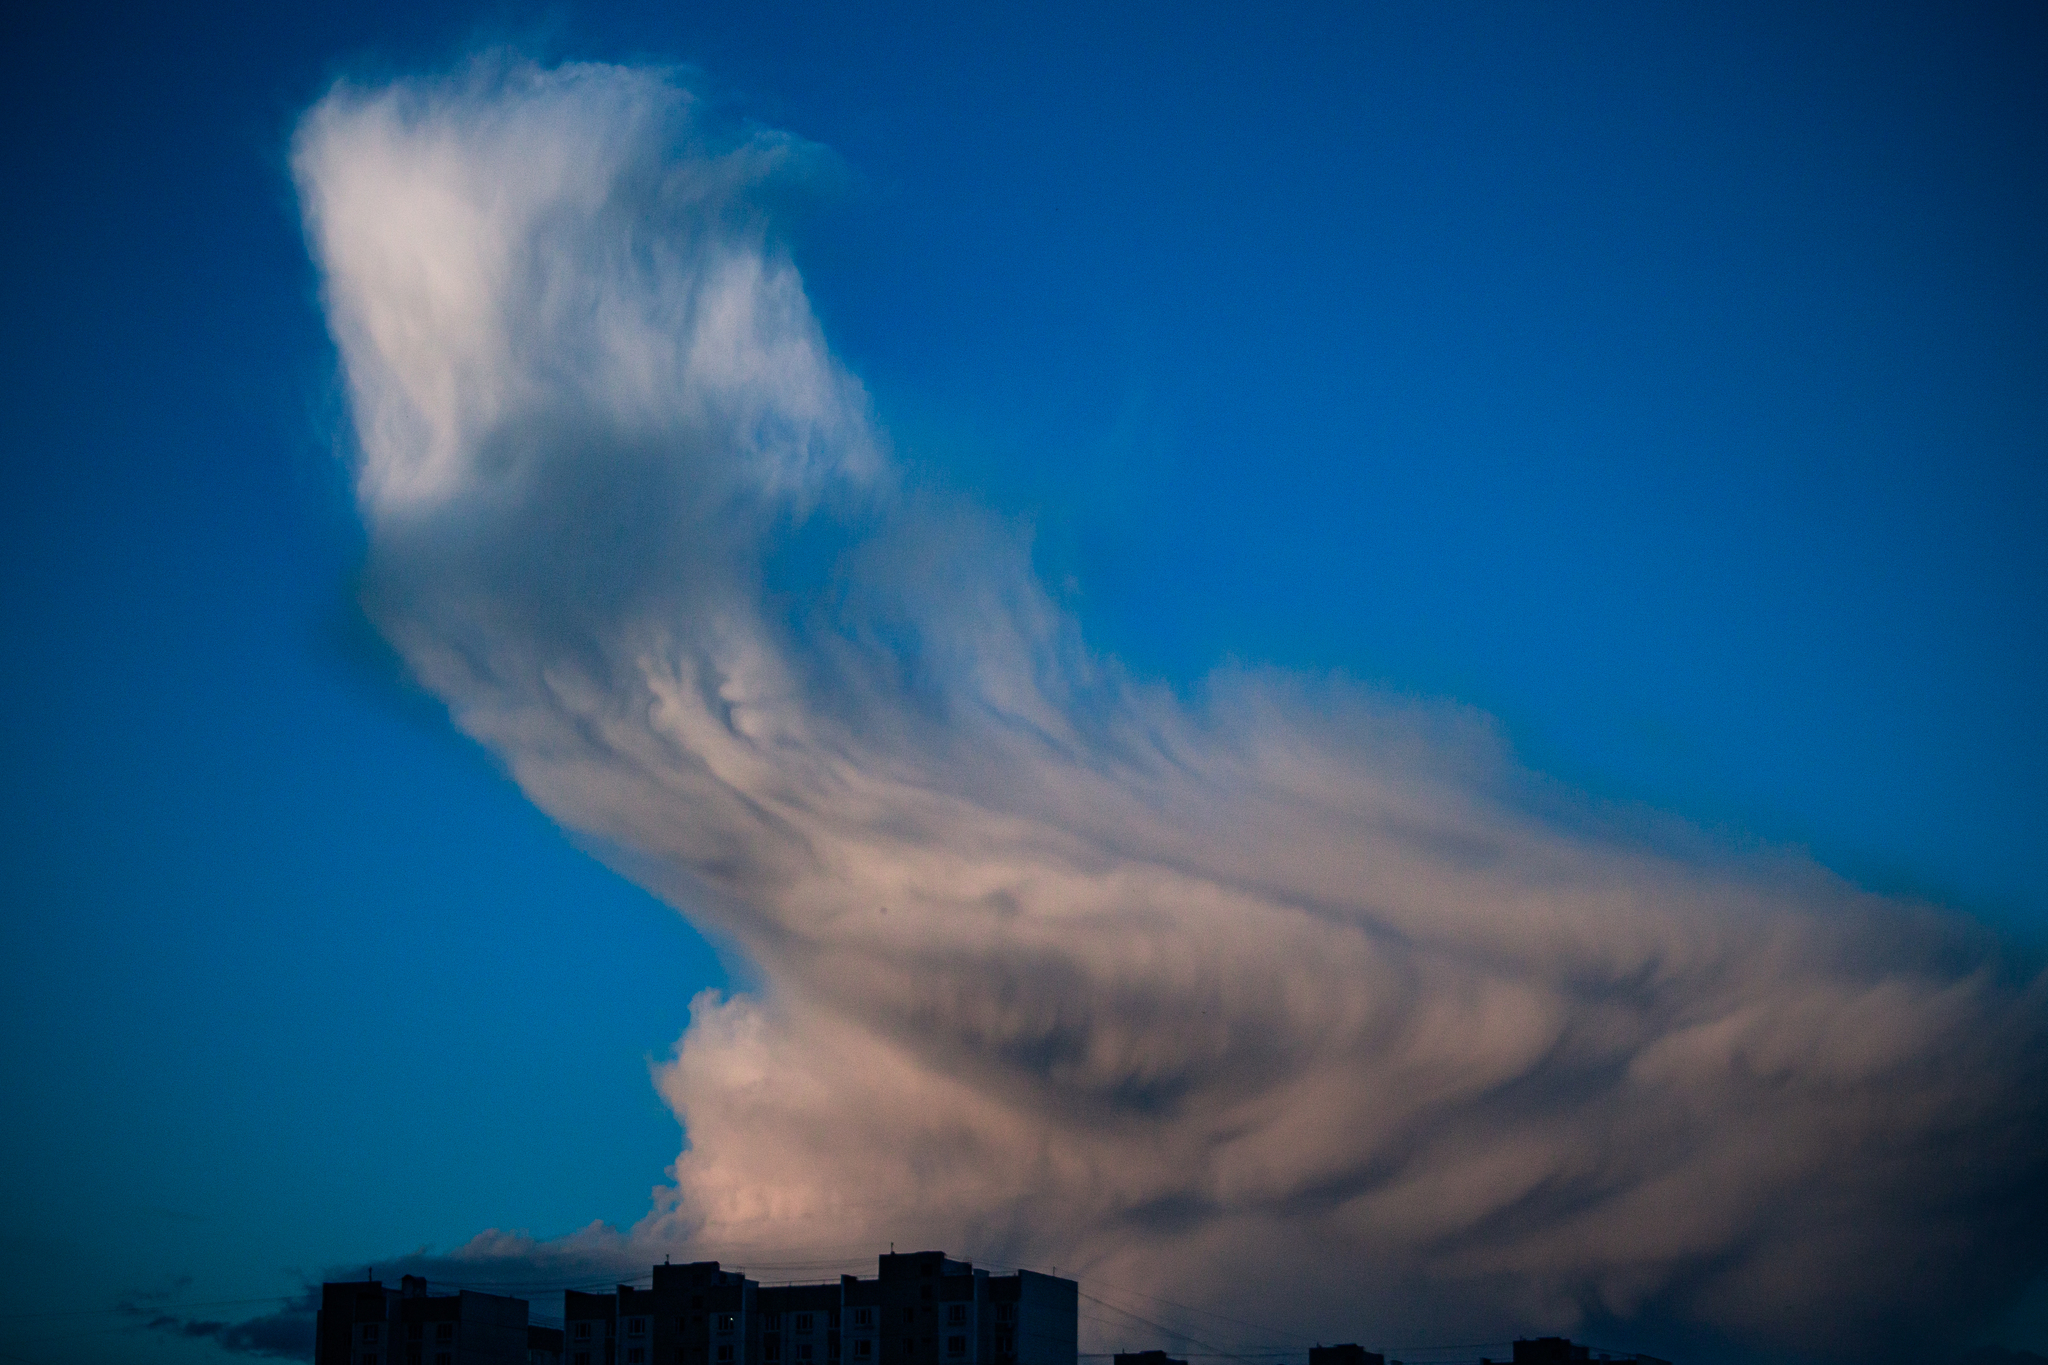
{"points": [[922, 1308], [801, 1323], [1350, 1353], [364, 1323], [1563, 1351], [1547, 1351], [691, 1314], [589, 1327]]}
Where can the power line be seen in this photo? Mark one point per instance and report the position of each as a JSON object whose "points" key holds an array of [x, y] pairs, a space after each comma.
{"points": [[1157, 1327], [1185, 1307], [1240, 1322]]}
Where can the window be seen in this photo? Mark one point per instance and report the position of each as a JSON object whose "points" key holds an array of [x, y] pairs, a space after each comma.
{"points": [[926, 1294], [413, 1330], [910, 1315], [636, 1356], [1006, 1312], [803, 1322], [863, 1349], [636, 1327], [696, 1300], [444, 1357], [956, 1346], [1006, 1344], [412, 1357], [727, 1321], [369, 1332], [582, 1358], [803, 1350], [863, 1317], [583, 1334], [369, 1358], [772, 1321], [444, 1331], [956, 1314], [771, 1348], [725, 1354]]}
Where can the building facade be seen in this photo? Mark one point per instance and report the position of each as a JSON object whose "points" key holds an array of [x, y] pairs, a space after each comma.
{"points": [[1348, 1353], [1564, 1351], [365, 1323], [922, 1308]]}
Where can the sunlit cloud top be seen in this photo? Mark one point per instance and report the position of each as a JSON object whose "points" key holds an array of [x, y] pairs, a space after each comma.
{"points": [[1056, 964]]}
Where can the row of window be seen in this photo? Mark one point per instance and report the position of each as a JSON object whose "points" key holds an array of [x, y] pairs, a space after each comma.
{"points": [[956, 1347], [865, 1350], [805, 1322], [635, 1355], [443, 1331], [801, 1323], [956, 1315], [726, 1323]]}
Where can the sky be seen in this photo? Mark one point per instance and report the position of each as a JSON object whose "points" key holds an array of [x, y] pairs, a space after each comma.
{"points": [[1500, 552]]}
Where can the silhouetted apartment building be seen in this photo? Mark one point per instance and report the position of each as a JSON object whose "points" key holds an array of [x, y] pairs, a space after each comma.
{"points": [[590, 1324], [800, 1324], [1563, 1351], [922, 1308], [364, 1323], [1145, 1358], [1350, 1353], [1548, 1351]]}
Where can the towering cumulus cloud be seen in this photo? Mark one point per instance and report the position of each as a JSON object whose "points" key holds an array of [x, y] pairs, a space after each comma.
{"points": [[1305, 1003]]}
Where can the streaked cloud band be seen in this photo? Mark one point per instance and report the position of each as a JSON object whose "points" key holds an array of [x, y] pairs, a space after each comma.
{"points": [[1279, 992]]}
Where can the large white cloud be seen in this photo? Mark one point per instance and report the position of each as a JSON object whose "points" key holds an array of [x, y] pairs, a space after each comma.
{"points": [[1288, 997]]}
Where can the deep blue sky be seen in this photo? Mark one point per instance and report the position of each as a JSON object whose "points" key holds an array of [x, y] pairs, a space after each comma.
{"points": [[1673, 386]]}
